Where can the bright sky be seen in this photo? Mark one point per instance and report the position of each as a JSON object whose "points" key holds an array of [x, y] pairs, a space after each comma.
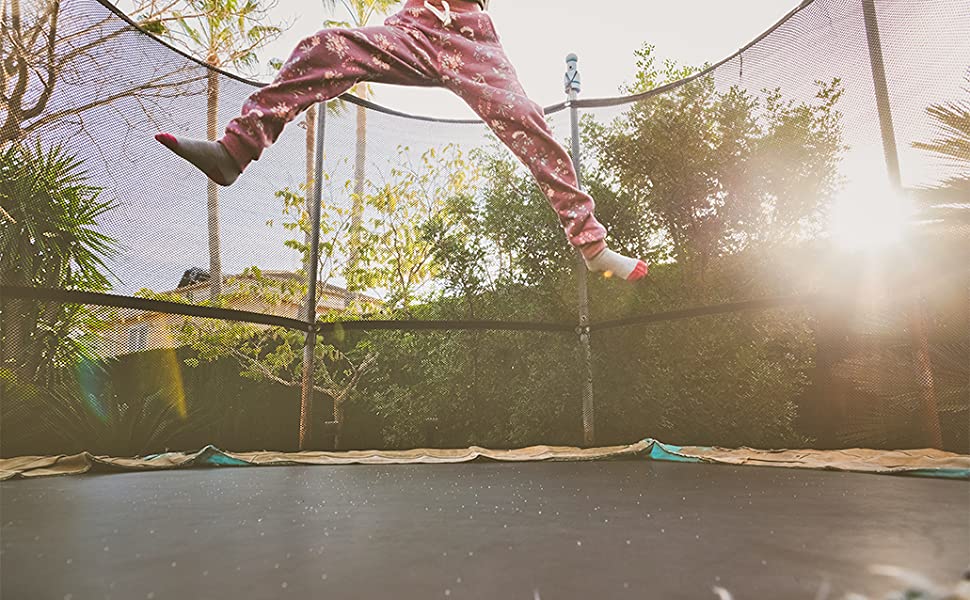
{"points": [[538, 34]]}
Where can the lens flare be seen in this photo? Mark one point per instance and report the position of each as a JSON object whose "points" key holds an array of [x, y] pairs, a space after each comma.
{"points": [[870, 216], [88, 382], [173, 369]]}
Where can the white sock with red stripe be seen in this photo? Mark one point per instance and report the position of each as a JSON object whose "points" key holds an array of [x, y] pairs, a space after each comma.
{"points": [[614, 264]]}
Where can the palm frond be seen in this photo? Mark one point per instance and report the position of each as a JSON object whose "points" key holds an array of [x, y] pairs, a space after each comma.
{"points": [[952, 120]]}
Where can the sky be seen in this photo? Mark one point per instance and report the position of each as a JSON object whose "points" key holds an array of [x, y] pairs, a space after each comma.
{"points": [[538, 34]]}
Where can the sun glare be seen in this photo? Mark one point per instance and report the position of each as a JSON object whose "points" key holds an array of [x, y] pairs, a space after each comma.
{"points": [[870, 217]]}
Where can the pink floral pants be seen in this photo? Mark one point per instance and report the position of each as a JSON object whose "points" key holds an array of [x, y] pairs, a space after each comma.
{"points": [[414, 47]]}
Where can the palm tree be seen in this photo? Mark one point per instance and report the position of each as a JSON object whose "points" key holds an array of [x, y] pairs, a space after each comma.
{"points": [[947, 209], [943, 369], [360, 13], [51, 241], [228, 33], [948, 201], [953, 121]]}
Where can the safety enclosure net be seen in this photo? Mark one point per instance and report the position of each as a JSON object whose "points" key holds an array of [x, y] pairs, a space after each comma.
{"points": [[804, 205]]}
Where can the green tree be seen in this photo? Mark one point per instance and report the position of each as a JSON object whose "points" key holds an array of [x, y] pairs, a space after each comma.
{"points": [[359, 13], [227, 34], [397, 262], [411, 205], [519, 240], [53, 242], [941, 243], [395, 252], [41, 50], [952, 144], [713, 173]]}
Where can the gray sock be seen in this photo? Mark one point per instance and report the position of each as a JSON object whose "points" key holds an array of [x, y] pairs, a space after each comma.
{"points": [[211, 158]]}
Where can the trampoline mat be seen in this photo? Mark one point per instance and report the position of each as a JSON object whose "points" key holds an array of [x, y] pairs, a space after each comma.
{"points": [[548, 530]]}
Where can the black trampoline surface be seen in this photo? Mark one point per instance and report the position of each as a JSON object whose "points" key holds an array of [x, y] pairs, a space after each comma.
{"points": [[631, 529]]}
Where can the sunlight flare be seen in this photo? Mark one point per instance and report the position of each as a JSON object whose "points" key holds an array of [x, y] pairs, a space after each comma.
{"points": [[870, 216]]}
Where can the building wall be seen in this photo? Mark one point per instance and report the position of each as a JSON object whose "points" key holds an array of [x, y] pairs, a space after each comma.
{"points": [[151, 331]]}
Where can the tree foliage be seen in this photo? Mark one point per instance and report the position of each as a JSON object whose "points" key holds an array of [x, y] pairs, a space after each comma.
{"points": [[43, 49], [227, 33], [703, 180], [714, 172], [53, 241], [949, 201], [936, 252], [399, 265], [49, 350]]}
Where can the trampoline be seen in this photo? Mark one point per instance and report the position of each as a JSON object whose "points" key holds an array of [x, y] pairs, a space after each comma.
{"points": [[627, 529], [401, 389]]}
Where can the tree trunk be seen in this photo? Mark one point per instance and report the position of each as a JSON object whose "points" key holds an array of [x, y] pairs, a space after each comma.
{"points": [[215, 259], [929, 411], [357, 210], [825, 412], [10, 130], [12, 311], [338, 418], [13, 317]]}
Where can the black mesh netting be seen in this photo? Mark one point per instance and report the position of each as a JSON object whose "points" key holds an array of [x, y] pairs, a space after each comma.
{"points": [[238, 386], [805, 205]]}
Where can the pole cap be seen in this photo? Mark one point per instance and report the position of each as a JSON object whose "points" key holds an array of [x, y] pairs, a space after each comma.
{"points": [[572, 80]]}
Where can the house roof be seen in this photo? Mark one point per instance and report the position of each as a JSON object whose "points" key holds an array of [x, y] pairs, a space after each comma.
{"points": [[324, 289]]}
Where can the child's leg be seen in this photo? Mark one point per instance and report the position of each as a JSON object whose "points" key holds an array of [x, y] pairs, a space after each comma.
{"points": [[321, 67], [492, 89]]}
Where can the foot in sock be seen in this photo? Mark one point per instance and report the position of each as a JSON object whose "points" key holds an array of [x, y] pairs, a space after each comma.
{"points": [[613, 264], [211, 158]]}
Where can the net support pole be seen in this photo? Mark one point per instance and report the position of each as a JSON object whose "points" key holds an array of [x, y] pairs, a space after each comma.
{"points": [[882, 93], [573, 87], [917, 320], [310, 309]]}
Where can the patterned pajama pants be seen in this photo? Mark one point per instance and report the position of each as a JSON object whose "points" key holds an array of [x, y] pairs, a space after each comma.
{"points": [[415, 48]]}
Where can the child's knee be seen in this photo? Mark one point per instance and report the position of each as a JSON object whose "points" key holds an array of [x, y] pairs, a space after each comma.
{"points": [[336, 42]]}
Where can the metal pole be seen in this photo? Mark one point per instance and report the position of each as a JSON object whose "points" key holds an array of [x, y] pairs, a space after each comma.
{"points": [[917, 319], [306, 400], [882, 93], [573, 87]]}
